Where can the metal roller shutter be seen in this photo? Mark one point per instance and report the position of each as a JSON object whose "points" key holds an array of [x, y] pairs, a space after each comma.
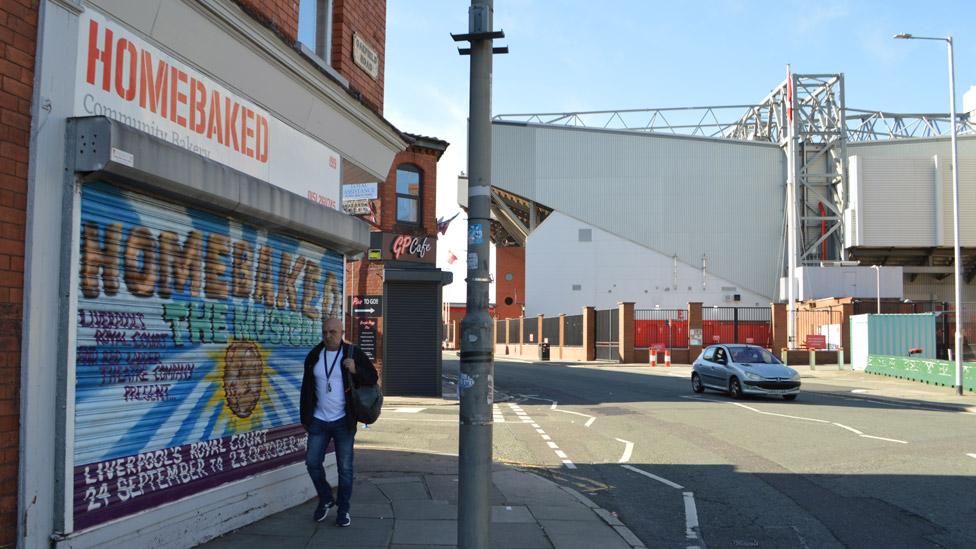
{"points": [[412, 339], [192, 329]]}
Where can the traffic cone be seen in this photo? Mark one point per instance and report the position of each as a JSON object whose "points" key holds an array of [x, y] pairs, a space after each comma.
{"points": [[667, 357], [653, 353]]}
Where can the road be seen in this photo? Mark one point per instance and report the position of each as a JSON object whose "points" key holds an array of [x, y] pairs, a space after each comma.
{"points": [[686, 470]]}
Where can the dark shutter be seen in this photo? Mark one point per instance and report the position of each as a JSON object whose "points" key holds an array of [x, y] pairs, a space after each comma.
{"points": [[412, 339]]}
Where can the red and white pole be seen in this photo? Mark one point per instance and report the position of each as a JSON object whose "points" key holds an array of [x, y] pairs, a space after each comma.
{"points": [[653, 353], [667, 358]]}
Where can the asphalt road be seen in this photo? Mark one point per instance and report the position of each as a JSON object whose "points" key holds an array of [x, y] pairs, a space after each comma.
{"points": [[686, 470]]}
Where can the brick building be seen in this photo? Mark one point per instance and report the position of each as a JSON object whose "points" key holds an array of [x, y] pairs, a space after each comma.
{"points": [[398, 276], [171, 240]]}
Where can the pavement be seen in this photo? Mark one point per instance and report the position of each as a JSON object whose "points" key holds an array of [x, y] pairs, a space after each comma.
{"points": [[407, 499]]}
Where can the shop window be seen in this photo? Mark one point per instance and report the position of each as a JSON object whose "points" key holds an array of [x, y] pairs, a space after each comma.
{"points": [[408, 183], [315, 27]]}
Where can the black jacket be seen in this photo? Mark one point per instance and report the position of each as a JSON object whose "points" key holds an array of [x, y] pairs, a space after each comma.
{"points": [[365, 376]]}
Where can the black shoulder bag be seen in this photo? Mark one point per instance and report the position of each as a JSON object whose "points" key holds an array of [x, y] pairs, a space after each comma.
{"points": [[367, 400]]}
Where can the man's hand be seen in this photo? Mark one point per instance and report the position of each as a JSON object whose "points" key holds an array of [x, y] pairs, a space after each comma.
{"points": [[350, 365]]}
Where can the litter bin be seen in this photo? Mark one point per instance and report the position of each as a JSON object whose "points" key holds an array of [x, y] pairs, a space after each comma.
{"points": [[543, 351]]}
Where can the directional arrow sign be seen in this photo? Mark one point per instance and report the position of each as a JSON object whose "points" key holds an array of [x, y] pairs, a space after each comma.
{"points": [[366, 305]]}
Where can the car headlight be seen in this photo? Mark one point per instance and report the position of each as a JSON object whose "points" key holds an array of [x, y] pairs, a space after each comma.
{"points": [[753, 377], [795, 376]]}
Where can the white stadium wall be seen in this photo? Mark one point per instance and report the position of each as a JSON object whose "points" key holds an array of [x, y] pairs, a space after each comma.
{"points": [[686, 196], [564, 254]]}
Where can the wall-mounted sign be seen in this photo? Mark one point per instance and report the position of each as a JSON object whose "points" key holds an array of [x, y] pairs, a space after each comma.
{"points": [[356, 207], [375, 255], [695, 336], [406, 247], [121, 76], [366, 305], [365, 56], [360, 191], [366, 335]]}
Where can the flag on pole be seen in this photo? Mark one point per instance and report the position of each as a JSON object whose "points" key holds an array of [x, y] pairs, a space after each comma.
{"points": [[451, 257], [789, 94], [442, 224]]}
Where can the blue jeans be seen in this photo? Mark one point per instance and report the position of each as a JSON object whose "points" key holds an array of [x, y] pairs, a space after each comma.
{"points": [[319, 434]]}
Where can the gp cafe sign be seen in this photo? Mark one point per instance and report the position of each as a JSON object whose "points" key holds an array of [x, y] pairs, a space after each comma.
{"points": [[406, 247]]}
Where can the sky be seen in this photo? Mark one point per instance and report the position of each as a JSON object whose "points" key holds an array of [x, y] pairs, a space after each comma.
{"points": [[579, 55]]}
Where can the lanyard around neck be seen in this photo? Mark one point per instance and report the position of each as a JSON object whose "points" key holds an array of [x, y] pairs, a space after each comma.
{"points": [[329, 370]]}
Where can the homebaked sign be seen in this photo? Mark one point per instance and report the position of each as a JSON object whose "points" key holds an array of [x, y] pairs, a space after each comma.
{"points": [[126, 78]]}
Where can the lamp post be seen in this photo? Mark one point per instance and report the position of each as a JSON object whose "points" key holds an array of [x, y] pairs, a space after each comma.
{"points": [[877, 274], [957, 256]]}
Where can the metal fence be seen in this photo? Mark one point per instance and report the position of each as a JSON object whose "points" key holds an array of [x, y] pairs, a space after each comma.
{"points": [[660, 329], [573, 331], [751, 325], [530, 330], [550, 330], [607, 334], [500, 333], [513, 330]]}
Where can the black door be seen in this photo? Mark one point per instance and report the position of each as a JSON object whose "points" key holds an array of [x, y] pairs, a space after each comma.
{"points": [[412, 339], [607, 329]]}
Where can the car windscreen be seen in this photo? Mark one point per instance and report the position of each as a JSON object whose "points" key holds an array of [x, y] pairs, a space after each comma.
{"points": [[751, 355]]}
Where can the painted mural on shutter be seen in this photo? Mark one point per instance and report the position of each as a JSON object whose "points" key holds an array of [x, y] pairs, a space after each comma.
{"points": [[192, 331]]}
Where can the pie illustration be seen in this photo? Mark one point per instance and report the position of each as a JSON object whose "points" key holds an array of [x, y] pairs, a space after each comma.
{"points": [[243, 377]]}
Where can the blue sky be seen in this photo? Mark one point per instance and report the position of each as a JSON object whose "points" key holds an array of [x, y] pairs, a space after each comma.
{"points": [[583, 55]]}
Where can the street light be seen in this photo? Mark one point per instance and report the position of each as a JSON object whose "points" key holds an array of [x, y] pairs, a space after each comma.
{"points": [[877, 272], [957, 256]]}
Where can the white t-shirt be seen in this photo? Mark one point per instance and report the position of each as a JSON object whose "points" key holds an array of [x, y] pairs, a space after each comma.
{"points": [[329, 390]]}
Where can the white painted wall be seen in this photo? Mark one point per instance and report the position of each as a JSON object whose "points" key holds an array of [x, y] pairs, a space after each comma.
{"points": [[610, 269]]}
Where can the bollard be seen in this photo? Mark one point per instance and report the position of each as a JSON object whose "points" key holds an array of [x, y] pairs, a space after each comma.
{"points": [[653, 354], [784, 354], [813, 359], [840, 359], [667, 357]]}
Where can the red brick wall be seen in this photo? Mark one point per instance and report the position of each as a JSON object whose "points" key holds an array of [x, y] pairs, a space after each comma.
{"points": [[509, 260], [366, 18], [282, 15], [426, 160], [18, 39]]}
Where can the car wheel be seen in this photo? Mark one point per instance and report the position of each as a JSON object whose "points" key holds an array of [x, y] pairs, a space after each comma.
{"points": [[789, 397], [735, 388], [696, 383]]}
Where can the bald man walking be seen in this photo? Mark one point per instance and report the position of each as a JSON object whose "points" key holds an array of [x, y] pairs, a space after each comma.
{"points": [[332, 369]]}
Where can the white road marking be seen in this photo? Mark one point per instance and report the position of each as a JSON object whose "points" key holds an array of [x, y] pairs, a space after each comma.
{"points": [[842, 426], [556, 403], [628, 450], [569, 464], [545, 437], [692, 529], [561, 454], [780, 415], [540, 431], [536, 425], [407, 409], [851, 429], [662, 480], [886, 439], [552, 445], [859, 391], [972, 455]]}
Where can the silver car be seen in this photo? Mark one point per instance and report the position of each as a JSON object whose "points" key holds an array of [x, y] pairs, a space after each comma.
{"points": [[743, 370]]}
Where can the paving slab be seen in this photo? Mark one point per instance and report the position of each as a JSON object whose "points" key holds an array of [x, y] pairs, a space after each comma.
{"points": [[518, 536], [568, 511], [364, 532], [410, 490], [511, 514], [255, 541], [424, 510], [570, 534], [364, 491], [521, 487], [425, 532]]}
